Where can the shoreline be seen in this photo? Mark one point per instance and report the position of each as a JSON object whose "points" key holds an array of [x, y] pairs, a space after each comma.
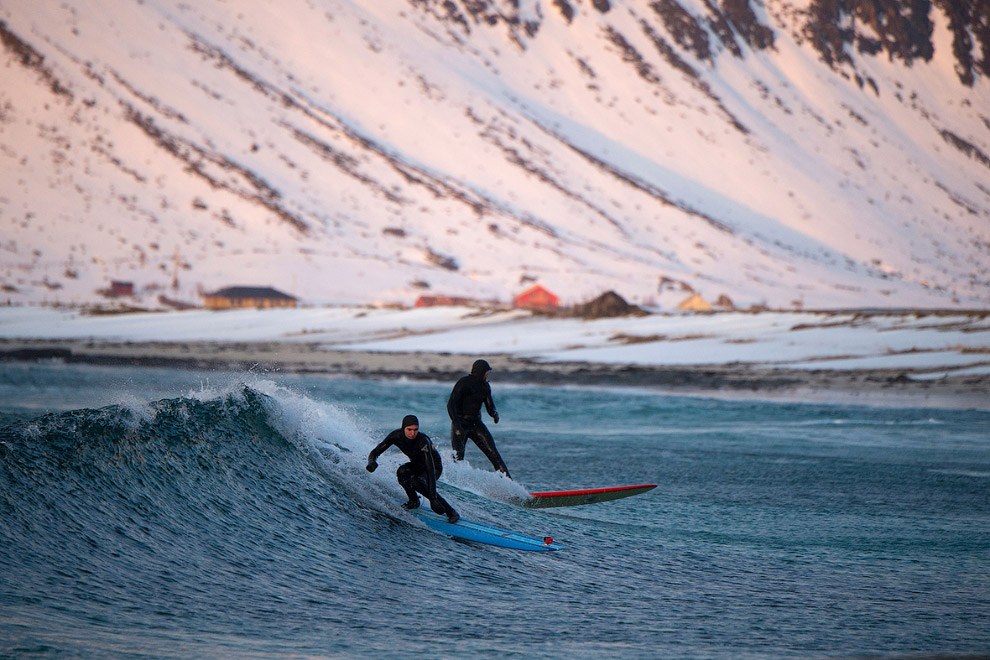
{"points": [[736, 381]]}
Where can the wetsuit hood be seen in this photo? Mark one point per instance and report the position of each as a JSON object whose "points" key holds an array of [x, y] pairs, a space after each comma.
{"points": [[410, 420], [480, 367]]}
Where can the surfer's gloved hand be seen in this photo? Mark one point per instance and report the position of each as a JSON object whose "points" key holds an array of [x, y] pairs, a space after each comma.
{"points": [[495, 418], [372, 465]]}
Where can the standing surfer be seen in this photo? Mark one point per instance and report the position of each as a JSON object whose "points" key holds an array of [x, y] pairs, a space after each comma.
{"points": [[420, 474], [464, 409]]}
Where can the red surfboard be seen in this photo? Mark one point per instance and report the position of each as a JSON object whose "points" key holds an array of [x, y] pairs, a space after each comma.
{"points": [[549, 499]]}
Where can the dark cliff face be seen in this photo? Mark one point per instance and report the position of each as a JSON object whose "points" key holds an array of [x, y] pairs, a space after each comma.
{"points": [[902, 31], [969, 20], [898, 29]]}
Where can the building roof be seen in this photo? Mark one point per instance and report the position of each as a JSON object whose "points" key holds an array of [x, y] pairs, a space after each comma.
{"points": [[536, 290], [265, 292], [695, 303]]}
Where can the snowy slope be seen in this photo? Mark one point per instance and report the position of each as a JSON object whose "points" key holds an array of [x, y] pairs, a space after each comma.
{"points": [[356, 152]]}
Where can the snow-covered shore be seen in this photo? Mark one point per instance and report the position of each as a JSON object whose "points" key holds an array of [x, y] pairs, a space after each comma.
{"points": [[913, 341], [871, 355]]}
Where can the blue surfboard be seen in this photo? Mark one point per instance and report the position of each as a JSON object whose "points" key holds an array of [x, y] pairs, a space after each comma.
{"points": [[470, 530]]}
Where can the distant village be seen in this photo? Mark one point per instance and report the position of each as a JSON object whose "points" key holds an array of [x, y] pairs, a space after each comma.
{"points": [[535, 298]]}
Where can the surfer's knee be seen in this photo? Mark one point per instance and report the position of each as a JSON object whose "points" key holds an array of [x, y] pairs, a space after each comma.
{"points": [[404, 474]]}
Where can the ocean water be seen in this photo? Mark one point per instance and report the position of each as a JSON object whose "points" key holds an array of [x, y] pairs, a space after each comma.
{"points": [[155, 513]]}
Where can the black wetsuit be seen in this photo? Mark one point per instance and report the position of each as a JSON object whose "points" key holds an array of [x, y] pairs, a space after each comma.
{"points": [[464, 408], [420, 474]]}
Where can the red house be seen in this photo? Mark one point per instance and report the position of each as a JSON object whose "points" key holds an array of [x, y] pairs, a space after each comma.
{"points": [[120, 288], [536, 297]]}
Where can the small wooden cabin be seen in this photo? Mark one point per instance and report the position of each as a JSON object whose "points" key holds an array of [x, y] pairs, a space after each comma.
{"points": [[442, 301], [241, 297], [121, 288]]}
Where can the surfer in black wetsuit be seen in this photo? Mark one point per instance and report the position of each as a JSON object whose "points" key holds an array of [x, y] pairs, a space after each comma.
{"points": [[464, 409], [420, 474]]}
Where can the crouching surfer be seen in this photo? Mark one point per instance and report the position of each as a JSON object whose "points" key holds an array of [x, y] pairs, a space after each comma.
{"points": [[420, 474]]}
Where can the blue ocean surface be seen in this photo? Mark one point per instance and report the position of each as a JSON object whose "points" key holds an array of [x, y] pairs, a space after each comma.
{"points": [[157, 513]]}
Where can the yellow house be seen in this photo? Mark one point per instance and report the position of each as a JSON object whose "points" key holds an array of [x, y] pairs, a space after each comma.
{"points": [[695, 303], [240, 297]]}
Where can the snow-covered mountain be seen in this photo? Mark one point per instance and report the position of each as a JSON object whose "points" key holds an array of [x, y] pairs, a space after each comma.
{"points": [[811, 153]]}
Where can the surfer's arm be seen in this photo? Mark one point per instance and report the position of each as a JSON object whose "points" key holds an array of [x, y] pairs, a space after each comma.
{"points": [[454, 401], [376, 452], [490, 406], [454, 406]]}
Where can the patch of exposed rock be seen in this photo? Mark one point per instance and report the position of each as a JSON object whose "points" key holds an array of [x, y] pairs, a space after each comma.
{"points": [[608, 305]]}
